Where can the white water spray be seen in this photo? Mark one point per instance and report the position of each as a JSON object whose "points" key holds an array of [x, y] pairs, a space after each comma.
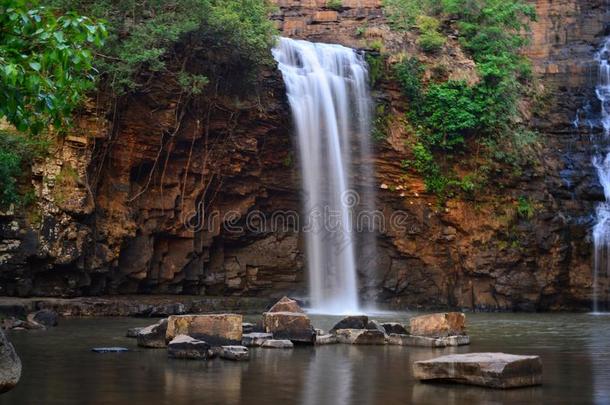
{"points": [[327, 88]]}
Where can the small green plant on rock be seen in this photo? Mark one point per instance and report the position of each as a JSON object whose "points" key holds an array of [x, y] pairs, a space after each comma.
{"points": [[336, 5], [430, 40]]}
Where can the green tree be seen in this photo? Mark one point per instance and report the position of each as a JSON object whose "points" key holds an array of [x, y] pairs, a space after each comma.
{"points": [[45, 71]]}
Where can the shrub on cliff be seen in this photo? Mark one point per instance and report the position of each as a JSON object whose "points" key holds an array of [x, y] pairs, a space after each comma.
{"points": [[159, 36]]}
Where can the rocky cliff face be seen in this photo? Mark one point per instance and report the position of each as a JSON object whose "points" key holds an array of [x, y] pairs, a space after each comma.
{"points": [[161, 199]]}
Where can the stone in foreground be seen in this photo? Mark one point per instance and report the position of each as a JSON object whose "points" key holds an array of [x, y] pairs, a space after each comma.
{"points": [[351, 322], [422, 341], [110, 349], [185, 347], [153, 336], [286, 305], [439, 325], [10, 364], [360, 337], [494, 370], [293, 326], [278, 344], [235, 353], [217, 330], [255, 339]]}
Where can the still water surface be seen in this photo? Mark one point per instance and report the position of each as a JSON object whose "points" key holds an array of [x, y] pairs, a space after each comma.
{"points": [[60, 369]]}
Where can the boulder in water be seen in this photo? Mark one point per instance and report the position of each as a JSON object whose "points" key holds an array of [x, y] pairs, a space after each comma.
{"points": [[439, 325], [255, 339], [375, 325], [361, 336], [294, 326], [10, 364], [185, 347], [247, 327], [352, 322], [153, 336], [235, 353], [45, 317], [217, 329], [278, 344], [286, 305], [495, 370]]}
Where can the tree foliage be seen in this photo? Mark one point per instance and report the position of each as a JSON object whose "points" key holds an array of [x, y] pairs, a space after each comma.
{"points": [[45, 64], [144, 35], [46, 68]]}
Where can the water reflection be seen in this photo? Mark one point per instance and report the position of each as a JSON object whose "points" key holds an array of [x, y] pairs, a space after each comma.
{"points": [[59, 368]]}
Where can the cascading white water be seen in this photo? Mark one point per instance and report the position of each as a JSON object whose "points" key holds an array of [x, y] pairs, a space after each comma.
{"points": [[327, 88], [601, 161]]}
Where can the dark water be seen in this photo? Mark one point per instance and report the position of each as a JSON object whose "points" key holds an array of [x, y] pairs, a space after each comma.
{"points": [[60, 369]]}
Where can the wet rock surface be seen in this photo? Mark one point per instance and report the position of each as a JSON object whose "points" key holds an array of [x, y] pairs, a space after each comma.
{"points": [[360, 337], [255, 339], [278, 344], [422, 341], [10, 364], [153, 336], [494, 370], [286, 305], [185, 347], [234, 353], [394, 327], [216, 329], [293, 326], [45, 317], [438, 325], [352, 322]]}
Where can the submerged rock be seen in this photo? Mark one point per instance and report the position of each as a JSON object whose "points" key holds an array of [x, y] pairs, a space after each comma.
{"points": [[110, 349], [235, 353], [246, 328], [360, 336], [153, 336], [439, 325], [351, 322], [217, 330], [286, 305], [255, 339], [278, 344], [185, 347], [495, 370], [394, 327], [10, 364], [294, 326], [326, 340]]}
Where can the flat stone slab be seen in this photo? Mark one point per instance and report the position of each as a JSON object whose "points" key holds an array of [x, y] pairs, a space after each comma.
{"points": [[278, 344], [110, 349], [235, 353], [423, 341], [494, 370], [326, 340], [255, 339]]}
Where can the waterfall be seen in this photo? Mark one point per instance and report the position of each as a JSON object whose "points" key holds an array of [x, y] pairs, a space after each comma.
{"points": [[601, 161], [327, 88]]}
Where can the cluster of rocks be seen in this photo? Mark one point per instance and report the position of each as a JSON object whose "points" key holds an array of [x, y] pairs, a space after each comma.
{"points": [[43, 319], [205, 337]]}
